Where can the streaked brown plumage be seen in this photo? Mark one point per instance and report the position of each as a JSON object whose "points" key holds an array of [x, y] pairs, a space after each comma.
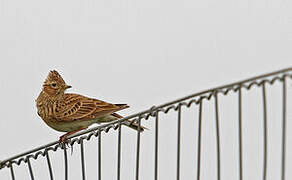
{"points": [[71, 113]]}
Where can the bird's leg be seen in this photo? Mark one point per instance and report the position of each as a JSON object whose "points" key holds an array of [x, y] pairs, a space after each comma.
{"points": [[64, 137]]}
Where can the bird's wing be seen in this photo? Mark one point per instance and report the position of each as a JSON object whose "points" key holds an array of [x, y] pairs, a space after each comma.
{"points": [[78, 107]]}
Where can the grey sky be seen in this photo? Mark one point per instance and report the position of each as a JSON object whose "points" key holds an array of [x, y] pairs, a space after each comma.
{"points": [[137, 52]]}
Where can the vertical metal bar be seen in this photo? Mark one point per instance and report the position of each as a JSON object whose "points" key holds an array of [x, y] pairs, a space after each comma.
{"points": [[199, 140], [11, 171], [156, 147], [283, 130], [178, 142], [99, 154], [82, 159], [30, 169], [49, 165], [265, 132], [240, 131], [119, 152], [218, 138], [66, 162], [138, 149]]}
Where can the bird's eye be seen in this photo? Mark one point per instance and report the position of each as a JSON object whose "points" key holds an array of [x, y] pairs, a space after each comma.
{"points": [[54, 84]]}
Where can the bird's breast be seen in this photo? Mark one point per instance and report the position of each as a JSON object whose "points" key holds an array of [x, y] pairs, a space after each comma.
{"points": [[45, 111]]}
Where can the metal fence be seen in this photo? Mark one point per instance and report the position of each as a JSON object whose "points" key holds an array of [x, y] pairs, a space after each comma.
{"points": [[196, 99]]}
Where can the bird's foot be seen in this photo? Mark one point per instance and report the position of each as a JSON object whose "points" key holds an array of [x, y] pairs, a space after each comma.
{"points": [[62, 139], [64, 142]]}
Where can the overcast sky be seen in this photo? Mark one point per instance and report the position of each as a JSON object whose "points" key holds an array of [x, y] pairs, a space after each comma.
{"points": [[142, 53]]}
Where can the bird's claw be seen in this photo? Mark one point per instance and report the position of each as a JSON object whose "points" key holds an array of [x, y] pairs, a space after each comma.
{"points": [[64, 142]]}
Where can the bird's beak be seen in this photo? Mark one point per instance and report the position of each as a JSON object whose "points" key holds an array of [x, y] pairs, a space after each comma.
{"points": [[67, 87]]}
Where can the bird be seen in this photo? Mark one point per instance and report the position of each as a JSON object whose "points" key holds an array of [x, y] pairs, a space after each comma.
{"points": [[71, 113]]}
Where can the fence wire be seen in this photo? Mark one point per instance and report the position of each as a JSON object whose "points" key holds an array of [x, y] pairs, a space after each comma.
{"points": [[198, 98]]}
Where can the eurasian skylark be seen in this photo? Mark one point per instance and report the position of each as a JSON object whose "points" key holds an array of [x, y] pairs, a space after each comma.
{"points": [[73, 112]]}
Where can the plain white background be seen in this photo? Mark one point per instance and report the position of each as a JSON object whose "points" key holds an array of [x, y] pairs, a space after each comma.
{"points": [[142, 53]]}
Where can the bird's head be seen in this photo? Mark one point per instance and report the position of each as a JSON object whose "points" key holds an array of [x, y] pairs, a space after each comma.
{"points": [[54, 84]]}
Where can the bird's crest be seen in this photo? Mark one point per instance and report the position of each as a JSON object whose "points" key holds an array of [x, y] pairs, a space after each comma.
{"points": [[54, 76]]}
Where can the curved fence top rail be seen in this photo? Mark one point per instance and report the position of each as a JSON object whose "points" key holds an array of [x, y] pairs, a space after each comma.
{"points": [[193, 98]]}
